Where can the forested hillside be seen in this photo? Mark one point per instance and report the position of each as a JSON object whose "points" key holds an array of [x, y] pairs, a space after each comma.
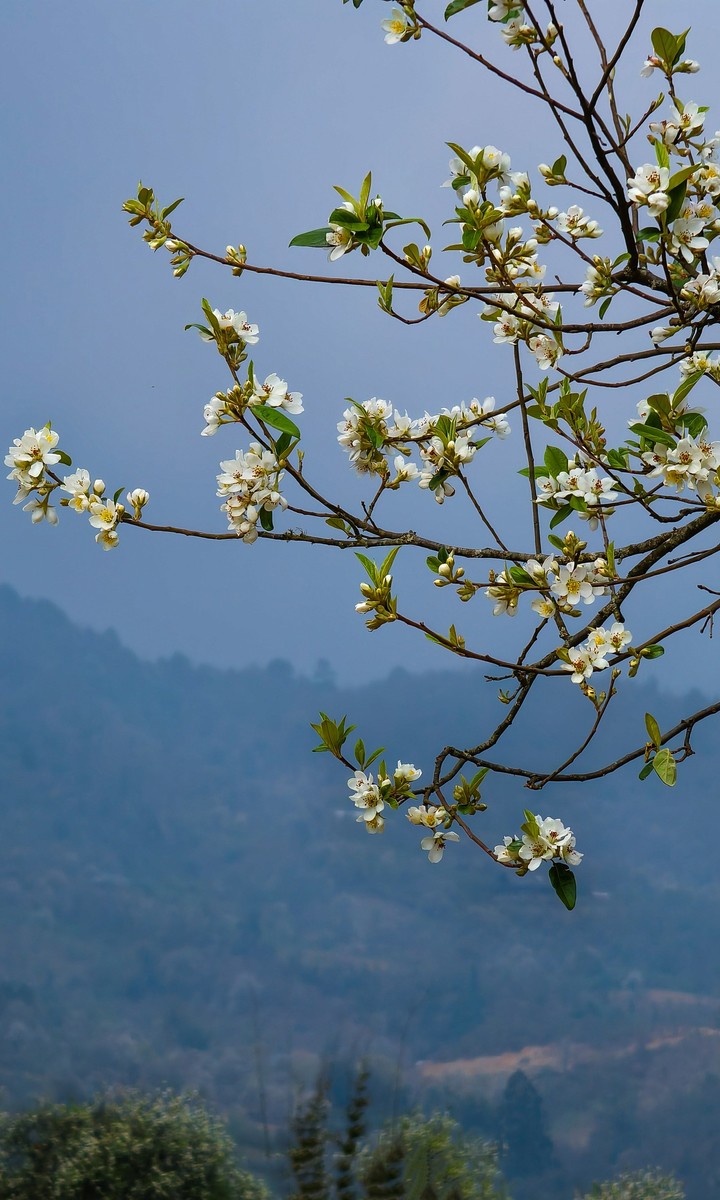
{"points": [[188, 900]]}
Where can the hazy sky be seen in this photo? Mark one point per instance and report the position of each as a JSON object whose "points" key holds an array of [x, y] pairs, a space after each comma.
{"points": [[252, 111]]}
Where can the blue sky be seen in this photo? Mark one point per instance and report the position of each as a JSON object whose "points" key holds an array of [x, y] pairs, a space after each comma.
{"points": [[252, 112]]}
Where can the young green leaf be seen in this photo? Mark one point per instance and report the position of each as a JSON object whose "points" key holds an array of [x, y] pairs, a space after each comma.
{"points": [[653, 730], [564, 885], [457, 6], [555, 460], [369, 566], [275, 417], [313, 237], [665, 766]]}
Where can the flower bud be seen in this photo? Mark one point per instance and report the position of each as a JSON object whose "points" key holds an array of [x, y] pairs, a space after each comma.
{"points": [[99, 487]]}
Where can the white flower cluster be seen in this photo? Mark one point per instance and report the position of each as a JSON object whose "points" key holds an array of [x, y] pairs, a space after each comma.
{"points": [[30, 457], [371, 797], [237, 324], [372, 430], [437, 820], [688, 66], [580, 480], [591, 655], [690, 463], [227, 407], [689, 234], [704, 290], [250, 485], [598, 281], [546, 840], [574, 224], [558, 586], [105, 515], [514, 320], [708, 364]]}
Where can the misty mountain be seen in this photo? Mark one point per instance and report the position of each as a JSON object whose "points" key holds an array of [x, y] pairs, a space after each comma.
{"points": [[187, 899]]}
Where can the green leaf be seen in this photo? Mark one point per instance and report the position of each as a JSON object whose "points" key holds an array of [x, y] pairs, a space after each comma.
{"points": [[365, 191], [677, 199], [682, 175], [376, 754], [337, 523], [360, 752], [463, 156], [65, 459], [282, 443], [558, 167], [653, 730], [668, 46], [660, 403], [605, 306], [387, 562], [457, 6], [395, 224], [266, 519], [617, 459], [314, 237], [564, 885], [647, 770], [212, 319], [654, 651], [477, 778], [275, 417], [555, 460], [695, 424], [171, 208], [686, 387], [566, 511], [369, 566], [555, 541], [518, 575], [665, 766], [117, 495], [652, 433], [530, 827], [438, 480]]}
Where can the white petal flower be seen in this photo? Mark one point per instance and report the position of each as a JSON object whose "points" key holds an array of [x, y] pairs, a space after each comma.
{"points": [[435, 845], [104, 514], [395, 26]]}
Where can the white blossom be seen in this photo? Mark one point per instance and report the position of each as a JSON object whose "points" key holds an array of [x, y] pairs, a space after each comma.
{"points": [[239, 324], [365, 794], [104, 514], [249, 484], [687, 237], [31, 454], [274, 393], [395, 26], [576, 225], [435, 844]]}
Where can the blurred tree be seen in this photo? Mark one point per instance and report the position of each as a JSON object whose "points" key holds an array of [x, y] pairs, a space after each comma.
{"points": [[126, 1147]]}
